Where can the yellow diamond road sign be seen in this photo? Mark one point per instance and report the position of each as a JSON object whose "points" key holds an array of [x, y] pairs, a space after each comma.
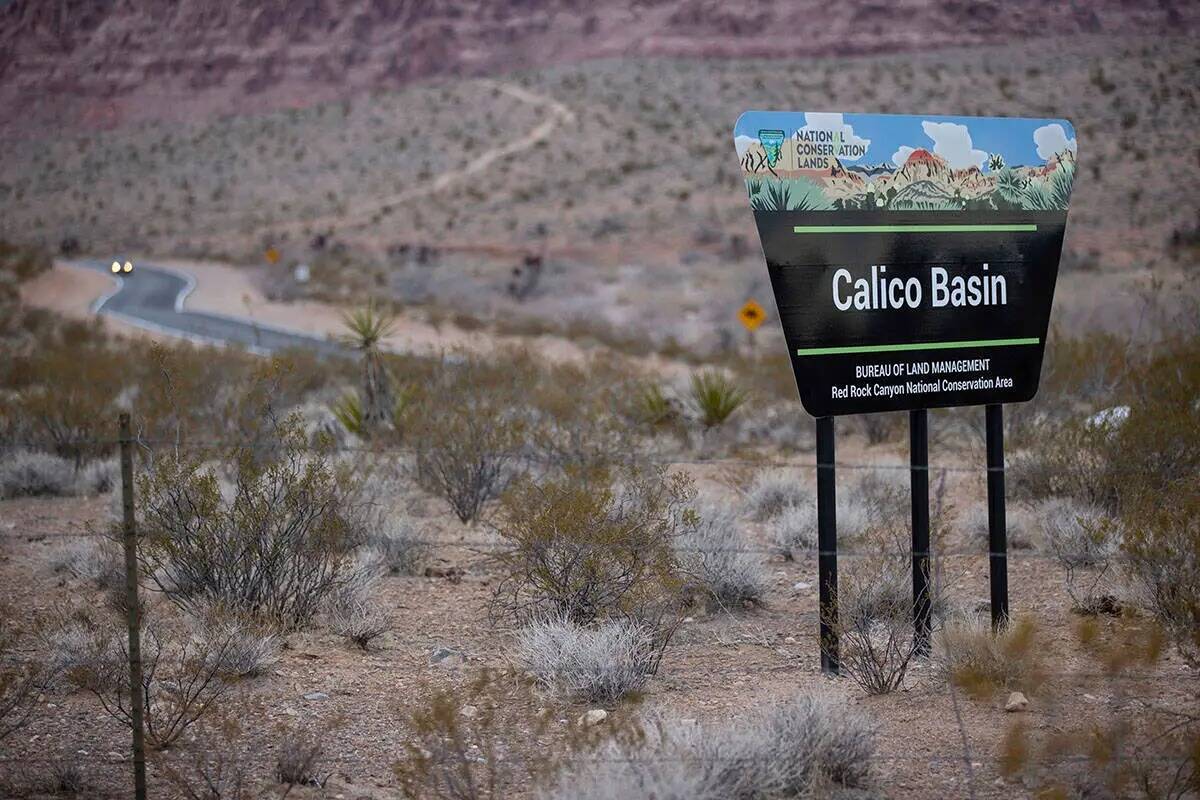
{"points": [[272, 255], [752, 315]]}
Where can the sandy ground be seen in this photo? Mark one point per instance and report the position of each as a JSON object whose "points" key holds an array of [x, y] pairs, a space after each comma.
{"points": [[68, 290], [720, 666]]}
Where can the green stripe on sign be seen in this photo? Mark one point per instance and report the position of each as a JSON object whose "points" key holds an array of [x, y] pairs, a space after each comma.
{"points": [[1001, 228], [900, 348]]}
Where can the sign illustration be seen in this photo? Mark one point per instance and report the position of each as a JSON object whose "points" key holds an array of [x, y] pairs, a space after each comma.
{"points": [[913, 258]]}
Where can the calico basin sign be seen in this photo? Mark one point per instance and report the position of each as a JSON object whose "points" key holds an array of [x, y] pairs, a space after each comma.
{"points": [[913, 258]]}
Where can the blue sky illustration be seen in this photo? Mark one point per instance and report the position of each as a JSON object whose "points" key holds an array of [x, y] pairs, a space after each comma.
{"points": [[963, 141]]}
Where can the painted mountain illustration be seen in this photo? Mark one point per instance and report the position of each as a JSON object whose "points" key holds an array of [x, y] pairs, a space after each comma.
{"points": [[795, 179]]}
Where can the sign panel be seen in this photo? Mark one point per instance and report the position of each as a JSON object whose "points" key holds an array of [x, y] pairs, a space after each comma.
{"points": [[913, 258]]}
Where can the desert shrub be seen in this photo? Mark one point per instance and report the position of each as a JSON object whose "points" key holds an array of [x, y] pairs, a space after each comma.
{"points": [[716, 560], [572, 413], [24, 262], [875, 624], [97, 560], [21, 678], [1082, 540], [299, 758], [181, 676], [879, 428], [214, 762], [25, 474], [1156, 469], [1141, 749], [983, 661], [464, 747], [274, 548], [811, 746], [599, 664], [715, 396], [1068, 461], [1161, 562], [466, 449], [594, 546], [773, 492]]}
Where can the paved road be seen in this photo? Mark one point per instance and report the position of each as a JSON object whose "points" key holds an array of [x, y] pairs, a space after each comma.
{"points": [[153, 298]]}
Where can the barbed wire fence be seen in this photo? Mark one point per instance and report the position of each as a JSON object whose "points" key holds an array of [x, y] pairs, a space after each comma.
{"points": [[125, 531]]}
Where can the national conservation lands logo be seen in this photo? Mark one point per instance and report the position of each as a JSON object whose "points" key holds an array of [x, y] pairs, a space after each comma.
{"points": [[913, 258]]}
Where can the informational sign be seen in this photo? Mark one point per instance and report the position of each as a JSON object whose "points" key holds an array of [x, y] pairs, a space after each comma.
{"points": [[913, 258]]}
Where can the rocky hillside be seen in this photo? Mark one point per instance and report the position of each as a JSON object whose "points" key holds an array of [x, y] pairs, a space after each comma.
{"points": [[104, 63]]}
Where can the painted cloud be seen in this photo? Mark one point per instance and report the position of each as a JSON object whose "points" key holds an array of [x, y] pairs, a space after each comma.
{"points": [[952, 142], [1051, 140]]}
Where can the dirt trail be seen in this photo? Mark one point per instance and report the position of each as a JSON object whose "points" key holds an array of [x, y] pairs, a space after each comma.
{"points": [[361, 213]]}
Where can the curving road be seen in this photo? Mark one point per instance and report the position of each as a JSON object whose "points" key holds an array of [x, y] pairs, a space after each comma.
{"points": [[153, 298]]}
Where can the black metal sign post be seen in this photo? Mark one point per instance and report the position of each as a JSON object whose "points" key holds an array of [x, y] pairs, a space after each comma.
{"points": [[918, 437], [827, 575], [997, 529]]}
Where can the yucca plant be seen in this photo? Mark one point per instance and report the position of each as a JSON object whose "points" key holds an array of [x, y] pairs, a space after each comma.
{"points": [[407, 399], [715, 397], [651, 405], [1053, 193], [792, 194], [366, 328], [348, 410]]}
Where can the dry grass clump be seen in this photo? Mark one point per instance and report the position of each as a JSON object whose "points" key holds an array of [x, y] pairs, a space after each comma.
{"points": [[600, 664], [350, 612], [772, 493], [811, 746], [717, 562], [396, 544], [247, 647], [983, 662], [25, 474], [33, 474], [298, 760]]}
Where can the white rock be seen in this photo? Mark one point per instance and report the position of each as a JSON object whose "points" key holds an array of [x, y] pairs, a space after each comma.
{"points": [[593, 717], [1016, 702], [316, 696], [1109, 418], [801, 586], [470, 712]]}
